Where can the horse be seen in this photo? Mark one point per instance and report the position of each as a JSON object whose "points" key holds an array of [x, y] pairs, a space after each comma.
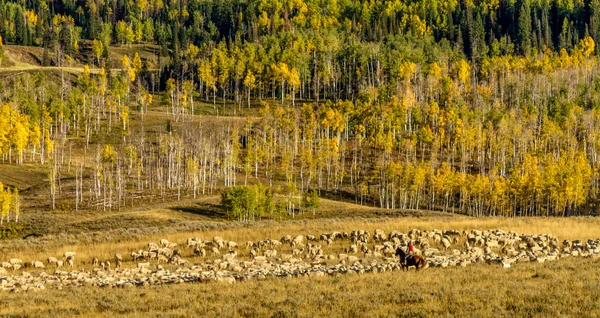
{"points": [[412, 260]]}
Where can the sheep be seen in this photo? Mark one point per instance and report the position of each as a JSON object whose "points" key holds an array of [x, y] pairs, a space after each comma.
{"points": [[298, 240], [232, 245], [250, 244], [352, 249], [6, 265], [14, 261], [118, 257], [37, 264], [215, 251], [163, 242], [59, 264], [162, 258], [329, 242], [94, 261], [446, 243], [171, 245], [70, 260], [191, 242], [253, 252], [297, 251], [16, 266], [274, 243], [491, 243], [270, 253], [180, 262], [229, 256], [261, 244], [378, 235], [67, 254], [143, 265], [199, 252], [286, 239], [217, 240], [135, 256], [259, 259], [52, 260], [311, 238]]}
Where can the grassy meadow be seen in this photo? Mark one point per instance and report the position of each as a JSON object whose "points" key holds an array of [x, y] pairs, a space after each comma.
{"points": [[569, 287]]}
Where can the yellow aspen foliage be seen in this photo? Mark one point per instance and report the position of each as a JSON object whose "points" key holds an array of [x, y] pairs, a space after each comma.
{"points": [[109, 154], [587, 46], [20, 134], [565, 58], [250, 80], [5, 200], [136, 63], [5, 115], [435, 71], [463, 72], [124, 115], [35, 135], [407, 70]]}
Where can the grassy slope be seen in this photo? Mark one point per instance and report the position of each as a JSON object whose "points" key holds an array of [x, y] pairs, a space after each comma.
{"points": [[569, 287], [29, 59]]}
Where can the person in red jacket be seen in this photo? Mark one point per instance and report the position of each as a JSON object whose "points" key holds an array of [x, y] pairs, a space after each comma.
{"points": [[411, 249]]}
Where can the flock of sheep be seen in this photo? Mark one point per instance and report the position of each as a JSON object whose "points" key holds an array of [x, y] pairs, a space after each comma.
{"points": [[328, 254]]}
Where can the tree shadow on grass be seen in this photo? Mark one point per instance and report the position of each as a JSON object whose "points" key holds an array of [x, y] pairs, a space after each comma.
{"points": [[205, 209]]}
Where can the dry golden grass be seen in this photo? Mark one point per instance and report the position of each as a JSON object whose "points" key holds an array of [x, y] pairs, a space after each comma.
{"points": [[569, 288], [564, 228]]}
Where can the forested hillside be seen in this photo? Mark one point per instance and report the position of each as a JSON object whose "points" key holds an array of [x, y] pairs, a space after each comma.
{"points": [[475, 107]]}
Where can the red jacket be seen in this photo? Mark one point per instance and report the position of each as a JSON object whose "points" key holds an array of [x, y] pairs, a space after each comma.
{"points": [[411, 248]]}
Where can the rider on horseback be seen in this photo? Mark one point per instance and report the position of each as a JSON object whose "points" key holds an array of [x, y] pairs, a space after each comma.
{"points": [[411, 249]]}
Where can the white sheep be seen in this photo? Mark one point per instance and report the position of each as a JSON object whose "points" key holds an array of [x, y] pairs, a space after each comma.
{"points": [[67, 254], [270, 253], [232, 245], [446, 243], [199, 251], [297, 251], [297, 241], [37, 264], [70, 260], [162, 259], [143, 265]]}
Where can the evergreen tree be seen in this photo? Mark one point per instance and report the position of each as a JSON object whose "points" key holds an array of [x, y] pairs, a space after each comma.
{"points": [[524, 28]]}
